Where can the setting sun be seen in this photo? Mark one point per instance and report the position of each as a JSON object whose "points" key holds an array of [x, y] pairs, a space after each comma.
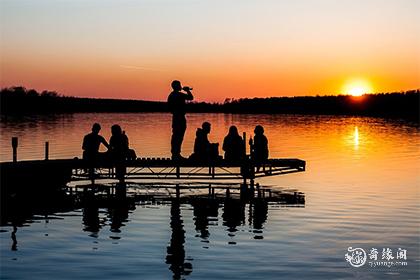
{"points": [[357, 87]]}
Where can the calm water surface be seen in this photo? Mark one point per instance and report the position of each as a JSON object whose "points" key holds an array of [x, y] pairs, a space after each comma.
{"points": [[361, 187]]}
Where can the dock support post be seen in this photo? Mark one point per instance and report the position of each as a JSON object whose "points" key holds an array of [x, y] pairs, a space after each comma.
{"points": [[251, 187], [244, 191], [177, 191], [47, 150], [244, 146], [178, 171], [14, 147], [121, 190], [258, 190]]}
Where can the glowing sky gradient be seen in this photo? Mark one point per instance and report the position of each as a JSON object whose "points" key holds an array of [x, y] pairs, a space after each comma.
{"points": [[134, 49]]}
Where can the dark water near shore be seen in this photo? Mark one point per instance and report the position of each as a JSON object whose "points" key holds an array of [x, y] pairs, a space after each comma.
{"points": [[361, 187]]}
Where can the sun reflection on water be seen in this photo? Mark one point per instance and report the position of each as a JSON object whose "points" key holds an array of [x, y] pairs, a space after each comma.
{"points": [[356, 138]]}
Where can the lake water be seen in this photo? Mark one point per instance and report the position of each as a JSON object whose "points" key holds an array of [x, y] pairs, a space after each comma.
{"points": [[361, 189]]}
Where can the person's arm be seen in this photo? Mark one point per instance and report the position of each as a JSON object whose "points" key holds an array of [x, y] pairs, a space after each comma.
{"points": [[126, 143], [224, 146], [188, 95], [84, 144], [103, 141]]}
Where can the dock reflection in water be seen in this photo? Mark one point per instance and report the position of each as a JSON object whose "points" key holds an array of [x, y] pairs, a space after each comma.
{"points": [[104, 207]]}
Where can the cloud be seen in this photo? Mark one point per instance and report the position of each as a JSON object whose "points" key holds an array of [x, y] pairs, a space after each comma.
{"points": [[135, 67]]}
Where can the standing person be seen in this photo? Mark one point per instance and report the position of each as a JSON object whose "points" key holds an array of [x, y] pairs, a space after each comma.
{"points": [[91, 143], [176, 102], [233, 145]]}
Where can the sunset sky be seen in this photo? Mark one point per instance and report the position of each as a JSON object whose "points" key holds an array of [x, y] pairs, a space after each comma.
{"points": [[223, 49]]}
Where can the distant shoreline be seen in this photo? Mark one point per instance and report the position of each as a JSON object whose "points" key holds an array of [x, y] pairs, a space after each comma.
{"points": [[18, 101]]}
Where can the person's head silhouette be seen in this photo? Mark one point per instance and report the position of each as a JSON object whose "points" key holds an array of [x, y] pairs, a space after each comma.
{"points": [[259, 130], [233, 130], [176, 85], [206, 126], [116, 129], [96, 127]]}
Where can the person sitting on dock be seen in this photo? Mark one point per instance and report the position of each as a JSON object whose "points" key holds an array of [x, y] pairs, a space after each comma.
{"points": [[91, 143], [119, 151], [203, 149], [259, 147], [233, 145], [119, 147]]}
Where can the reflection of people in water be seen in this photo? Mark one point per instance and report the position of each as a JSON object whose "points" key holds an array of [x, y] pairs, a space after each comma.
{"points": [[259, 147], [91, 220], [91, 143], [91, 215], [14, 240], [258, 212], [118, 214], [233, 145], [233, 214], [177, 106], [175, 251], [203, 209]]}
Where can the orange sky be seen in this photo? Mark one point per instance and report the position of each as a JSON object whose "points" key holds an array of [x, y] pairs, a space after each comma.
{"points": [[134, 49]]}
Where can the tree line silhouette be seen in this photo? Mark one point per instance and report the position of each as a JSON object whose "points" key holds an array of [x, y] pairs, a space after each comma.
{"points": [[19, 101]]}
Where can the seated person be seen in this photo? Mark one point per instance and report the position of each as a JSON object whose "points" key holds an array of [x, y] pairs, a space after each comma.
{"points": [[91, 143], [118, 144], [119, 151], [203, 149], [233, 145], [259, 147]]}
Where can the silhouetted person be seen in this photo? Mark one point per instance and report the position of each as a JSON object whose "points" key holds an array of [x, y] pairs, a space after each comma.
{"points": [[259, 147], [91, 143], [118, 143], [177, 103], [118, 148], [203, 149], [233, 145]]}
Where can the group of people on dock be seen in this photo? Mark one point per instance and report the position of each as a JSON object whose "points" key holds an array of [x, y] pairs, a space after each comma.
{"points": [[118, 146], [233, 144]]}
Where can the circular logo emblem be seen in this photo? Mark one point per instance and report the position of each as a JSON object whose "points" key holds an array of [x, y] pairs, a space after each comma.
{"points": [[356, 257]]}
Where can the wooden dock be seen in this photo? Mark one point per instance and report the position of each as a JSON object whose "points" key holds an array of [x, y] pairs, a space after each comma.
{"points": [[167, 169], [60, 172]]}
